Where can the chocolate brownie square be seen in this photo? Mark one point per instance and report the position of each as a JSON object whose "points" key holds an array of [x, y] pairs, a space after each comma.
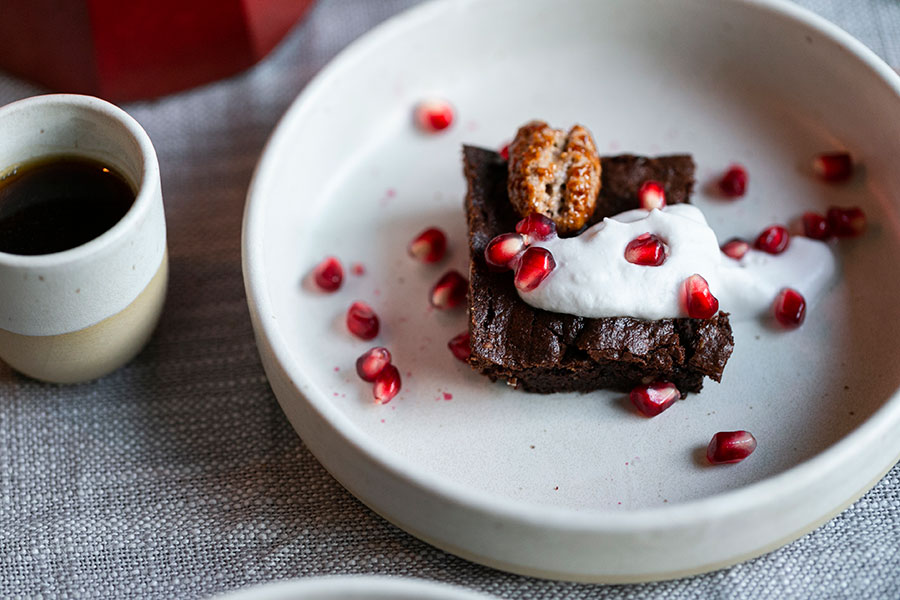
{"points": [[541, 351]]}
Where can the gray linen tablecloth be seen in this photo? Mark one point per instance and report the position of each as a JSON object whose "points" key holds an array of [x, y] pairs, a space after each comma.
{"points": [[179, 476]]}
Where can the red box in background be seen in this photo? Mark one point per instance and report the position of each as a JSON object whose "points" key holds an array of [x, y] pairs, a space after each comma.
{"points": [[125, 50]]}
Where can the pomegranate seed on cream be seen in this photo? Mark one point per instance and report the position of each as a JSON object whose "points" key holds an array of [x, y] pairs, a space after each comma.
{"points": [[535, 265], [646, 250], [735, 248], [698, 300], [773, 239]]}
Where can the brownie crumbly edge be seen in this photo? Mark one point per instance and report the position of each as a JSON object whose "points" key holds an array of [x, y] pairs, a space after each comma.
{"points": [[541, 351]]}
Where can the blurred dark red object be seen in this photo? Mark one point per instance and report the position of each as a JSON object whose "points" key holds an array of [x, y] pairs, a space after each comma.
{"points": [[125, 50]]}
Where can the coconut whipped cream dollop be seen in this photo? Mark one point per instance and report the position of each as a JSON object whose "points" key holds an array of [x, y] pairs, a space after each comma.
{"points": [[593, 279]]}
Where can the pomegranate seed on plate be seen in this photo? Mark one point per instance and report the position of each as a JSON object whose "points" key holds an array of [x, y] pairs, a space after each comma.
{"points": [[504, 152], [504, 249], [733, 183], [329, 274], [815, 226], [434, 115], [774, 239], [700, 302], [846, 222], [460, 347], [789, 308], [372, 362], [534, 266], [646, 250], [362, 321], [652, 195], [730, 447], [387, 384], [654, 398], [833, 166], [536, 227], [735, 248], [429, 246], [449, 291]]}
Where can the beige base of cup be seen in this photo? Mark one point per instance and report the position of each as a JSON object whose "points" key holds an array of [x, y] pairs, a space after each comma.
{"points": [[93, 351]]}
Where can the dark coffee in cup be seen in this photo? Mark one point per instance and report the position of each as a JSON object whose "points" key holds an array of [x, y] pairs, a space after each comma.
{"points": [[56, 203]]}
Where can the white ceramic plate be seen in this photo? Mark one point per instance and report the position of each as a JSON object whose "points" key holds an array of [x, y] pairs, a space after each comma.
{"points": [[353, 588], [578, 486]]}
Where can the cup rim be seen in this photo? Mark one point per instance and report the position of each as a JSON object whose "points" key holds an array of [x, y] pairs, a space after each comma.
{"points": [[144, 195]]}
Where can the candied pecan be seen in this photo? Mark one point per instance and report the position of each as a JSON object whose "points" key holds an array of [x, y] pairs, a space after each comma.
{"points": [[555, 174]]}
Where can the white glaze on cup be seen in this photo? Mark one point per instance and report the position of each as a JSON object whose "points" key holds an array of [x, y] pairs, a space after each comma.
{"points": [[46, 299]]}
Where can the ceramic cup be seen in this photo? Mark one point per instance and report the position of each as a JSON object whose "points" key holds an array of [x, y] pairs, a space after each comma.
{"points": [[79, 314]]}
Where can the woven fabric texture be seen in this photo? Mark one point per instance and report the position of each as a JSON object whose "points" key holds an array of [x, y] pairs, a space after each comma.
{"points": [[179, 476]]}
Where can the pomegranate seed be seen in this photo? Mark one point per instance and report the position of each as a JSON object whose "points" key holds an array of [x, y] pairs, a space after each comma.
{"points": [[789, 308], [654, 398], [449, 291], [736, 248], [774, 239], [846, 222], [734, 182], [429, 246], [815, 226], [646, 250], [372, 362], [434, 115], [459, 346], [329, 274], [504, 152], [362, 321], [833, 166], [534, 266], [700, 302], [536, 227], [730, 447], [652, 195], [504, 249], [387, 384]]}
